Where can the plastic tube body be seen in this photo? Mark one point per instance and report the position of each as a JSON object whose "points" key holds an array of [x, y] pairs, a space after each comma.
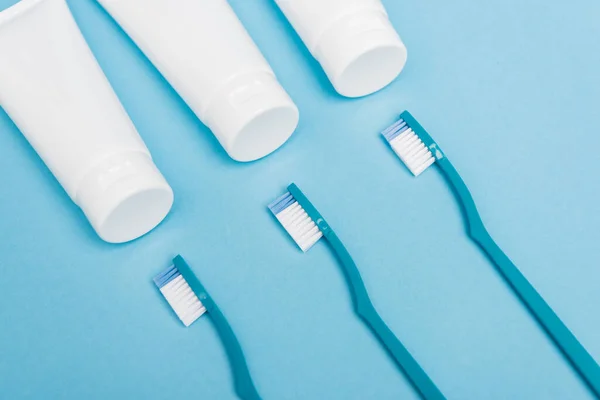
{"points": [[54, 90], [205, 53], [353, 40]]}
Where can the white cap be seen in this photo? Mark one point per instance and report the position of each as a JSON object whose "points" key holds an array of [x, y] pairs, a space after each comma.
{"points": [[252, 116], [124, 197], [361, 53]]}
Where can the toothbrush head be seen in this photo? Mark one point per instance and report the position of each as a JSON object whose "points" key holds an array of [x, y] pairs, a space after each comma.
{"points": [[179, 295], [296, 221], [412, 144]]}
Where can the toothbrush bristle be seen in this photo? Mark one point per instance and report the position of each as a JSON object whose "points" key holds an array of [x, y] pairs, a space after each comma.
{"points": [[409, 147], [179, 295], [296, 221]]}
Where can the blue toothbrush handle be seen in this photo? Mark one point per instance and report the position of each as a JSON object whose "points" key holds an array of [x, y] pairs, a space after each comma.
{"points": [[367, 312], [577, 355], [365, 309], [244, 386]]}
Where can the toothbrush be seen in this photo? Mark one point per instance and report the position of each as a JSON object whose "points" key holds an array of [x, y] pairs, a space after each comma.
{"points": [[418, 151], [190, 300], [306, 226]]}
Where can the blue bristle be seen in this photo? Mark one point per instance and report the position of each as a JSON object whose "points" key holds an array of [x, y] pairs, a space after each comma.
{"points": [[399, 123], [282, 203], [395, 130], [166, 276]]}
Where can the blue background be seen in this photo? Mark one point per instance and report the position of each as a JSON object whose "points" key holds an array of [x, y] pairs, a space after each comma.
{"points": [[510, 89]]}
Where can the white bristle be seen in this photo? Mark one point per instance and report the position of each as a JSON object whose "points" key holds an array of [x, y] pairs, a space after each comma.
{"points": [[300, 226], [183, 300], [412, 151]]}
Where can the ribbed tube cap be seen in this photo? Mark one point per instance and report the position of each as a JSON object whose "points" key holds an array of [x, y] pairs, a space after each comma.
{"points": [[361, 53], [124, 197], [252, 116]]}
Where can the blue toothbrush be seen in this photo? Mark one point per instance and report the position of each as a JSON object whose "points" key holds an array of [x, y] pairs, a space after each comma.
{"points": [[190, 300], [306, 226], [418, 151]]}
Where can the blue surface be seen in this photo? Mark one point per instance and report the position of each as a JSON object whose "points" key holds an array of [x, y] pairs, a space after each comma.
{"points": [[510, 90]]}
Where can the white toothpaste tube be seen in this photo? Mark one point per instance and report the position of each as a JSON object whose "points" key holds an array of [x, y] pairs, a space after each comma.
{"points": [[204, 52], [54, 90], [353, 40]]}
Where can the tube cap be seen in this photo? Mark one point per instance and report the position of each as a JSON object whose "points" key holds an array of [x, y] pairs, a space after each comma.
{"points": [[124, 197], [252, 116], [361, 53]]}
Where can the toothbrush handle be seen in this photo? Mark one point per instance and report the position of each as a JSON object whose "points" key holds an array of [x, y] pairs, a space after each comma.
{"points": [[244, 386], [574, 351], [367, 312]]}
